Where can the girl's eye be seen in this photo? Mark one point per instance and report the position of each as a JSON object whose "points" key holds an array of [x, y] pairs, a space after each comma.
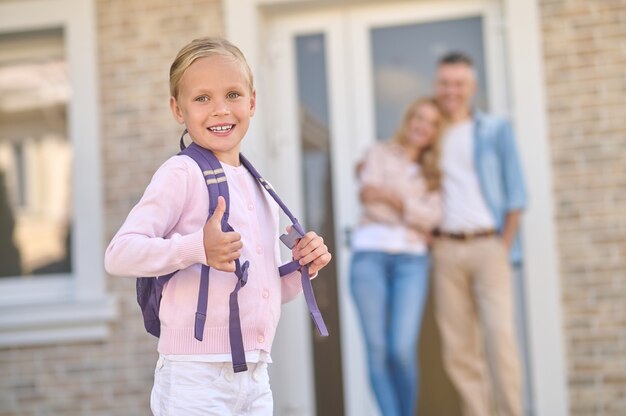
{"points": [[202, 99], [233, 95]]}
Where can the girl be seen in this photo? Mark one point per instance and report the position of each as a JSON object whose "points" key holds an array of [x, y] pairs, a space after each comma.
{"points": [[212, 94], [400, 183]]}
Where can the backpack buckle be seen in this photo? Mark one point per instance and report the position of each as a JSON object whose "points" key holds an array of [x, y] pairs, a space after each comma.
{"points": [[290, 238], [244, 273]]}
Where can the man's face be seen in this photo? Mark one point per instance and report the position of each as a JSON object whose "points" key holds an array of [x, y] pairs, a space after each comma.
{"points": [[455, 86]]}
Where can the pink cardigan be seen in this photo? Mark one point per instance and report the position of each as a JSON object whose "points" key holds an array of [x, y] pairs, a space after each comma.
{"points": [[164, 233]]}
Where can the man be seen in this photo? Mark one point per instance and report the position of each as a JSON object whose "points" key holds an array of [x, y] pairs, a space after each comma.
{"points": [[484, 194]]}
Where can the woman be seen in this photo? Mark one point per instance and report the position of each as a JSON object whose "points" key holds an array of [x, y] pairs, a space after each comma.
{"points": [[399, 192]]}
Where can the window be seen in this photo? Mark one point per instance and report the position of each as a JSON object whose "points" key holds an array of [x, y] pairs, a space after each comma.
{"points": [[404, 59], [35, 155], [51, 276]]}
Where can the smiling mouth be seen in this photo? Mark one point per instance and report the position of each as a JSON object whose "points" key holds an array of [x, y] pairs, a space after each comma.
{"points": [[222, 129]]}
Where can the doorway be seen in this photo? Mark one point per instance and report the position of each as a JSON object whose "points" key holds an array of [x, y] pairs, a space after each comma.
{"points": [[339, 80]]}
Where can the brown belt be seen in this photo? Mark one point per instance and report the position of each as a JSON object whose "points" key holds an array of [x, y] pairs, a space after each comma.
{"points": [[465, 236]]}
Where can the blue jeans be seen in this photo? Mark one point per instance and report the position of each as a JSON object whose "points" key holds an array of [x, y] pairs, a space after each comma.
{"points": [[390, 292]]}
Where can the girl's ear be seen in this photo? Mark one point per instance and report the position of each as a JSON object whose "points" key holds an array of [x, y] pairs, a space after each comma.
{"points": [[176, 110], [252, 102]]}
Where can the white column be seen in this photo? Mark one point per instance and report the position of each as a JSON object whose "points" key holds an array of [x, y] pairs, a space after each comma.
{"points": [[242, 27], [545, 329]]}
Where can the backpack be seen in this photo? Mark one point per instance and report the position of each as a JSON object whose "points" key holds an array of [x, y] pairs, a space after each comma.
{"points": [[150, 289]]}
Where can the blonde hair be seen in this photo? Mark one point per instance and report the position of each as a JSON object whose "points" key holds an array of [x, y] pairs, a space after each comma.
{"points": [[203, 48], [429, 156]]}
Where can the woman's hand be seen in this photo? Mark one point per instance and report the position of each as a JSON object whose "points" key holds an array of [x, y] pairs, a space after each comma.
{"points": [[371, 193]]}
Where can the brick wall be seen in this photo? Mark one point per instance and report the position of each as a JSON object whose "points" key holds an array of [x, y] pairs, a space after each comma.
{"points": [[585, 63], [138, 40]]}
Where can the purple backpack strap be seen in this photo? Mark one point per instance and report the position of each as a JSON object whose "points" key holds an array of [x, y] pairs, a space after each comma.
{"points": [[216, 184], [290, 241], [214, 193]]}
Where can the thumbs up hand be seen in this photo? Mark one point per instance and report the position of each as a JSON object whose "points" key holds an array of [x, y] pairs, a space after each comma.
{"points": [[221, 249]]}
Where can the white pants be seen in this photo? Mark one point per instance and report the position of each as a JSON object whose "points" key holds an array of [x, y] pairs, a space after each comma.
{"points": [[189, 388]]}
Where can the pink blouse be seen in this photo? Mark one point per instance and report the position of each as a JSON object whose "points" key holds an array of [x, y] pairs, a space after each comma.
{"points": [[388, 166]]}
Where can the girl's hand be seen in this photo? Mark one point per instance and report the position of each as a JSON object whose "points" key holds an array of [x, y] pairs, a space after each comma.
{"points": [[221, 249], [311, 250]]}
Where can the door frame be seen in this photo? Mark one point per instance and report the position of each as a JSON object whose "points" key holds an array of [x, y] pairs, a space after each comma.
{"points": [[352, 129], [283, 127], [245, 25]]}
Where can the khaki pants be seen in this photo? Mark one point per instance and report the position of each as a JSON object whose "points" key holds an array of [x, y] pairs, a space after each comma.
{"points": [[474, 311]]}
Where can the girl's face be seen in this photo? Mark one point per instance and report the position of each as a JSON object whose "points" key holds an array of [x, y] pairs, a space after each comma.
{"points": [[421, 128], [215, 104]]}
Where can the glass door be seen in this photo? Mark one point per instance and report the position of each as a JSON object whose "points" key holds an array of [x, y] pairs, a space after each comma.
{"points": [[397, 50]]}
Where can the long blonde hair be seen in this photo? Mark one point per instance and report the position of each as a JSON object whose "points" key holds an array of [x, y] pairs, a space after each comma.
{"points": [[429, 156]]}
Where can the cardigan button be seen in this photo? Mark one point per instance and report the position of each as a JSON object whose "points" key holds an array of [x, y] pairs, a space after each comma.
{"points": [[266, 294], [260, 339]]}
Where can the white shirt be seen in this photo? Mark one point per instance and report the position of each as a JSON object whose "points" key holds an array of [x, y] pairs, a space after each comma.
{"points": [[390, 239], [465, 209]]}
